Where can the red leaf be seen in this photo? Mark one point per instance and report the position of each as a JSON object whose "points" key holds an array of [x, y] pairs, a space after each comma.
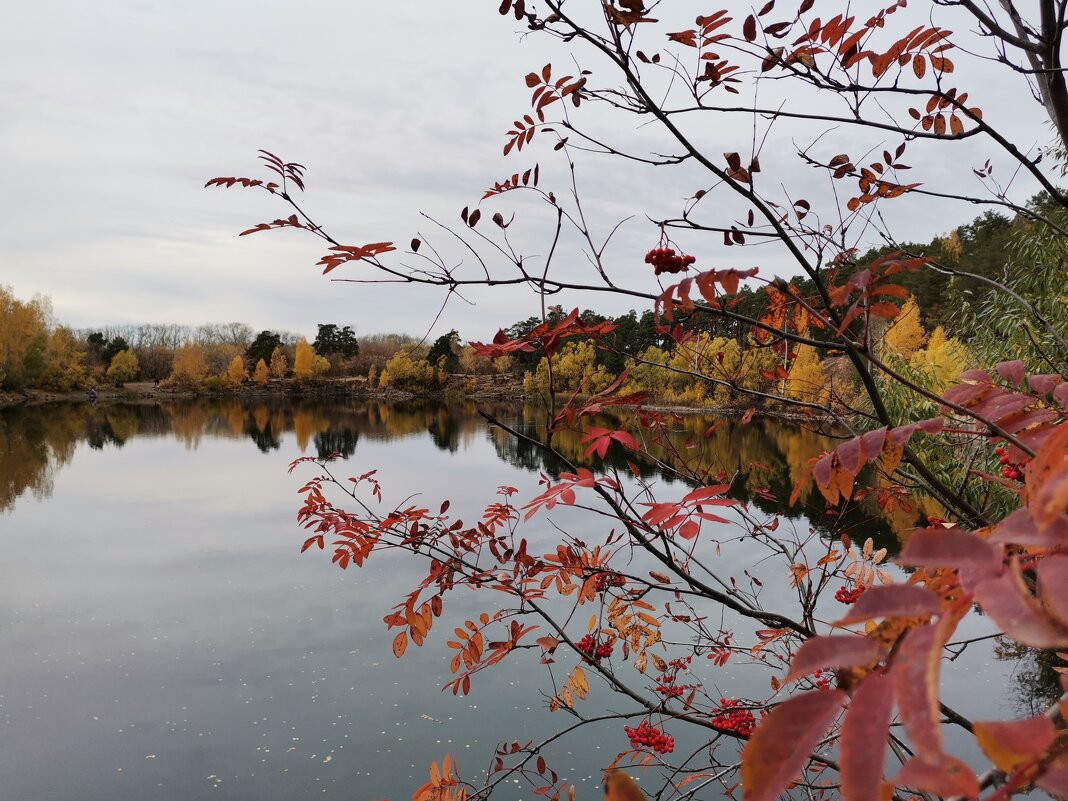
{"points": [[780, 747], [863, 739], [1008, 601], [706, 494], [915, 675], [749, 28], [940, 547], [1055, 779], [1013, 371], [899, 600], [1019, 528], [820, 653], [1053, 574], [948, 777]]}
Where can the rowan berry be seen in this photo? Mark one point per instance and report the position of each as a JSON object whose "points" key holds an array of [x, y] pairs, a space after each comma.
{"points": [[849, 596], [593, 651], [607, 580], [651, 737], [665, 260], [734, 717]]}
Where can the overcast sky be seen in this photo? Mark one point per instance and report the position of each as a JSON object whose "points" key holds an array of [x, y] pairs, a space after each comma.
{"points": [[113, 115]]}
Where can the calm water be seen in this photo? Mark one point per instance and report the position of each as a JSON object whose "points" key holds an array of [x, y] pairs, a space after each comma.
{"points": [[161, 637]]}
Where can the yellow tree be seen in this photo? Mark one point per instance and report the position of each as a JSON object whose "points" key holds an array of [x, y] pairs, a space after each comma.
{"points": [[190, 369], [943, 360], [575, 369], [407, 374], [279, 366], [806, 380], [262, 374], [123, 367], [906, 335], [234, 376], [23, 335], [63, 366], [320, 366], [302, 361]]}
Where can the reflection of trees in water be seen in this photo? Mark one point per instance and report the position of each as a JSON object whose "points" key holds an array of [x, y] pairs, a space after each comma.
{"points": [[341, 441], [1037, 684], [26, 459], [764, 459]]}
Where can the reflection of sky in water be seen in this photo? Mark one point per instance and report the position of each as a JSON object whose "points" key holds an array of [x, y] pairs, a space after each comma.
{"points": [[162, 639]]}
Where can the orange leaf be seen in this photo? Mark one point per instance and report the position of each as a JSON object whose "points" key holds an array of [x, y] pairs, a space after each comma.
{"points": [[400, 644], [1012, 744]]}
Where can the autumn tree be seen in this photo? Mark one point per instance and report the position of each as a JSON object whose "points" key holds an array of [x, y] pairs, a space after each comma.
{"points": [[23, 337], [320, 366], [405, 373], [906, 334], [279, 367], [189, 368], [805, 379], [123, 367], [63, 362], [856, 650], [262, 374], [234, 376], [302, 361]]}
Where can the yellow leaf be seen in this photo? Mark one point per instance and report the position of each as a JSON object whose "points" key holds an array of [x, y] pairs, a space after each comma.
{"points": [[579, 683]]}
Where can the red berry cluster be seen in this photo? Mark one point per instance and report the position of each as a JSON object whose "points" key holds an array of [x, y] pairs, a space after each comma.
{"points": [[933, 521], [666, 685], [823, 679], [650, 737], [1011, 470], [665, 260], [732, 716], [849, 596], [671, 690], [606, 580], [592, 650]]}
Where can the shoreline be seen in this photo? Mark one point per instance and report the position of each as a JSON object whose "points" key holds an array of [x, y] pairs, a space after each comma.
{"points": [[337, 389]]}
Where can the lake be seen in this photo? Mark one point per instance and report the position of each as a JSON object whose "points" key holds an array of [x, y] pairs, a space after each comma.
{"points": [[162, 637]]}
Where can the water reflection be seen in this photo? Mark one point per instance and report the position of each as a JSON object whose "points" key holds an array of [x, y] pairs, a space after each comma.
{"points": [[763, 459], [163, 640]]}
